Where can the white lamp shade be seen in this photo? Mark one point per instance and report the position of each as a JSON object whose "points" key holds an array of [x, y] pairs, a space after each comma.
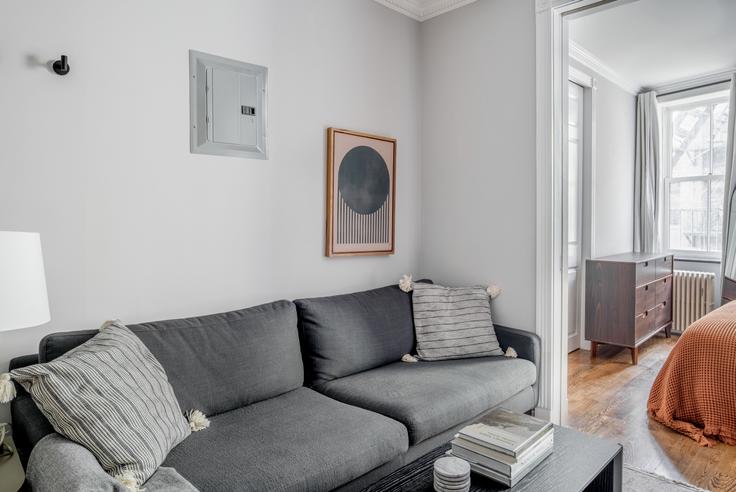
{"points": [[23, 298]]}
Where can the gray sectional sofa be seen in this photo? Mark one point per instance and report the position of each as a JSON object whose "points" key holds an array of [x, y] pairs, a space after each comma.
{"points": [[308, 395]]}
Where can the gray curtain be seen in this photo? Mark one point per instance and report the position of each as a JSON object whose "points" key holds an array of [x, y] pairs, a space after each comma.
{"points": [[648, 179], [728, 255]]}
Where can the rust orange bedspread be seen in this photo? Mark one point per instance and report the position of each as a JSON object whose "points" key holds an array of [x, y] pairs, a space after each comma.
{"points": [[695, 391]]}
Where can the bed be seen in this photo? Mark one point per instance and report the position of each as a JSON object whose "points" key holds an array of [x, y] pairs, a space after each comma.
{"points": [[695, 391]]}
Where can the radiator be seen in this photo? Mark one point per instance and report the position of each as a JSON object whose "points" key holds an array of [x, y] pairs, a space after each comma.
{"points": [[693, 297]]}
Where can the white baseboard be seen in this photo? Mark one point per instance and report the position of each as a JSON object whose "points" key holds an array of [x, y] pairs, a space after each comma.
{"points": [[542, 413]]}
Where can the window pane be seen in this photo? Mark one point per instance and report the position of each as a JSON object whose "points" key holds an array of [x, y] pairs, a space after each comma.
{"points": [[688, 215], [720, 135], [716, 213], [690, 141]]}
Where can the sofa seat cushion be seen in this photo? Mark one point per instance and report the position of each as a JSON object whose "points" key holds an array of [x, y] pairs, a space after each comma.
{"points": [[298, 441], [431, 397]]}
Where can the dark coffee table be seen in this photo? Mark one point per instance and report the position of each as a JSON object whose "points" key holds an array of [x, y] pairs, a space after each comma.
{"points": [[579, 462]]}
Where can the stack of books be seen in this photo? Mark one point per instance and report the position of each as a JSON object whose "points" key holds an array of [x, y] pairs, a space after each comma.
{"points": [[504, 446]]}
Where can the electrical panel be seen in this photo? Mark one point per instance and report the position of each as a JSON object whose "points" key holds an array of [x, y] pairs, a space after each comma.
{"points": [[227, 107]]}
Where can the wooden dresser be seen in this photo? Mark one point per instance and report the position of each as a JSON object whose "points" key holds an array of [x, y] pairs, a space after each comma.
{"points": [[628, 299]]}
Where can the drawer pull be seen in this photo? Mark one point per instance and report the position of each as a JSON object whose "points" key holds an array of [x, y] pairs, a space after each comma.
{"points": [[646, 287], [646, 264]]}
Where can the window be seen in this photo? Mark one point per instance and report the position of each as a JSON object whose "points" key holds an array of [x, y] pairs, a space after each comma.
{"points": [[694, 159]]}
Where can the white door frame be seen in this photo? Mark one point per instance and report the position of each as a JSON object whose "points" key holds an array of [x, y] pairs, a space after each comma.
{"points": [[589, 83], [585, 83], [551, 279]]}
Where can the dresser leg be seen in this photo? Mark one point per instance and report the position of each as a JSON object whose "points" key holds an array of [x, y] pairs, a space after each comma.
{"points": [[593, 349], [668, 331], [634, 355]]}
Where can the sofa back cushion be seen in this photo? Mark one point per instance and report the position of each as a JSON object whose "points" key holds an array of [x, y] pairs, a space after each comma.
{"points": [[218, 362], [349, 333]]}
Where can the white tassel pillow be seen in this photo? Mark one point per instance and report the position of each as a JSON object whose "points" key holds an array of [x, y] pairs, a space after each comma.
{"points": [[453, 322], [112, 396]]}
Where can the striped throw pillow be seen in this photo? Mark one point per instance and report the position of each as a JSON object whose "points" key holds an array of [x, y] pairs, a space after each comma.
{"points": [[453, 323], [112, 396]]}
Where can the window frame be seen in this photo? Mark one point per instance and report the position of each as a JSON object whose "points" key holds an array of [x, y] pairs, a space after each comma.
{"points": [[665, 110]]}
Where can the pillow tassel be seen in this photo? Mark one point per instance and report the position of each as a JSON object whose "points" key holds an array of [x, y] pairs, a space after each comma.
{"points": [[494, 291], [7, 388], [197, 420], [406, 284], [110, 322], [510, 352], [129, 481]]}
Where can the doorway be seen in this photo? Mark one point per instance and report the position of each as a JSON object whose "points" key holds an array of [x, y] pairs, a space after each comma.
{"points": [[553, 284]]}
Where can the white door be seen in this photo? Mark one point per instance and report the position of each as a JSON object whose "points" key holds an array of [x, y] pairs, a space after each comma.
{"points": [[574, 209]]}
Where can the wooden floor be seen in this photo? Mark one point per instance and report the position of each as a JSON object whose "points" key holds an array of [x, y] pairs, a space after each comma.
{"points": [[608, 397]]}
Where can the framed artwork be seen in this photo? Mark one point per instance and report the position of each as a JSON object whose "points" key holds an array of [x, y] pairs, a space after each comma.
{"points": [[361, 193]]}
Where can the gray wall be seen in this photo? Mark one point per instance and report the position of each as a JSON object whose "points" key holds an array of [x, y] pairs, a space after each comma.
{"points": [[478, 166], [614, 167], [134, 226]]}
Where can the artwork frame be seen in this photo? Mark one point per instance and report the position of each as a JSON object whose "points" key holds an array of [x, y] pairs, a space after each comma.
{"points": [[361, 194]]}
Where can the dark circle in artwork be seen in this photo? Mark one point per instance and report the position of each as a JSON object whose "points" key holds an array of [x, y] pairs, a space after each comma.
{"points": [[363, 180]]}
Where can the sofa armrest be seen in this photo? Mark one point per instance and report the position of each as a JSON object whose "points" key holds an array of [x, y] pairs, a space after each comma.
{"points": [[60, 465], [29, 424], [23, 361], [527, 345]]}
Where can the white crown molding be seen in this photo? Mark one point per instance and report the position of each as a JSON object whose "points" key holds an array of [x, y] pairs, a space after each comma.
{"points": [[433, 8], [588, 59], [692, 82], [409, 8], [422, 10]]}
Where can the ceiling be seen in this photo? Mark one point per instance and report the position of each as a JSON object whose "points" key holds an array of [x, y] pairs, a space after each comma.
{"points": [[651, 43], [423, 9]]}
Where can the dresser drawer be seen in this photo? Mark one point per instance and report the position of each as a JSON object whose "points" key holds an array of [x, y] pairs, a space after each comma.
{"points": [[644, 323], [645, 272], [663, 289], [646, 298], [663, 314], [663, 266]]}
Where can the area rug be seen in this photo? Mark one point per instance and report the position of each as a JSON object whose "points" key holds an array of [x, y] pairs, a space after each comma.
{"points": [[639, 480]]}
